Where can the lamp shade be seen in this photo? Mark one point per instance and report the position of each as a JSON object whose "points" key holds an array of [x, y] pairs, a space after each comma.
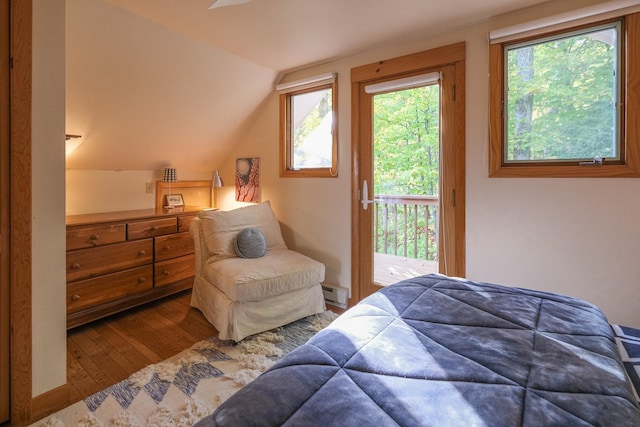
{"points": [[217, 180], [170, 175]]}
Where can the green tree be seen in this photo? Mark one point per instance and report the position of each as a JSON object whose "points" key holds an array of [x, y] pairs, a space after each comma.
{"points": [[561, 98], [407, 162], [407, 141]]}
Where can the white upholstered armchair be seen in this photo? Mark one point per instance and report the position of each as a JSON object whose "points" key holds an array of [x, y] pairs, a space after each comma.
{"points": [[270, 287]]}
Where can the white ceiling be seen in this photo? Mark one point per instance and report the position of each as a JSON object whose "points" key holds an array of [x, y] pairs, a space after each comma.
{"points": [[288, 34]]}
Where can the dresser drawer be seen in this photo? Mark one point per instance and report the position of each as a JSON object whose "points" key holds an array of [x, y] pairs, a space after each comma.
{"points": [[173, 246], [151, 228], [184, 222], [111, 287], [86, 263], [90, 236], [173, 270]]}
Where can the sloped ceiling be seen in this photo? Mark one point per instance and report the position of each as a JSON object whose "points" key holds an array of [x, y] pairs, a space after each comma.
{"points": [[287, 34], [152, 83]]}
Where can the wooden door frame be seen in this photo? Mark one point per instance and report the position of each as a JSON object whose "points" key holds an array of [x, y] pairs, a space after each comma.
{"points": [[21, 401], [5, 226], [452, 197]]}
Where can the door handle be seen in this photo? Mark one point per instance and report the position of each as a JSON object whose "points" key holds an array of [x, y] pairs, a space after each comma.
{"points": [[365, 195]]}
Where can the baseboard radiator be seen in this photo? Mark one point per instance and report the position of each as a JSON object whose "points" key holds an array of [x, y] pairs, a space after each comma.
{"points": [[335, 295]]}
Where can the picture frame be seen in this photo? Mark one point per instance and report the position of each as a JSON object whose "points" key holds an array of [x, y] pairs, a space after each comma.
{"points": [[173, 201], [248, 179]]}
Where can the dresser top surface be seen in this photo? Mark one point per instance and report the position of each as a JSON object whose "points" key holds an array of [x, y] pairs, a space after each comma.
{"points": [[95, 218]]}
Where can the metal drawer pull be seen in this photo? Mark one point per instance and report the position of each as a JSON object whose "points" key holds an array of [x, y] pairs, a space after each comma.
{"points": [[75, 266], [76, 297]]}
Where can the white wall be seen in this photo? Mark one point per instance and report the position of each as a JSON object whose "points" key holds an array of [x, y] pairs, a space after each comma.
{"points": [[48, 238], [314, 212], [572, 236], [91, 191], [143, 96]]}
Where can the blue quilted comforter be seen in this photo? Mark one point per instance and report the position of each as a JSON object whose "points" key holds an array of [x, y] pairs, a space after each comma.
{"points": [[438, 351]]}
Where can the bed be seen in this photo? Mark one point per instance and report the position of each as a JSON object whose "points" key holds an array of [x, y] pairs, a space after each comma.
{"points": [[442, 351]]}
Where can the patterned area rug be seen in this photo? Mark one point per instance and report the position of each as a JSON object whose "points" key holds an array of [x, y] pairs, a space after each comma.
{"points": [[185, 388]]}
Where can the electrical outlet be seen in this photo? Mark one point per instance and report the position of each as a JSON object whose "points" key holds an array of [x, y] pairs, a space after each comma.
{"points": [[148, 186]]}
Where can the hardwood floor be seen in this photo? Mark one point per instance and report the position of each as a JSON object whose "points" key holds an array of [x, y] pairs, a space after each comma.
{"points": [[107, 351]]}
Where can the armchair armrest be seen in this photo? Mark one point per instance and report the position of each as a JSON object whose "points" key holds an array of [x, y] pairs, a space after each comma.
{"points": [[200, 245]]}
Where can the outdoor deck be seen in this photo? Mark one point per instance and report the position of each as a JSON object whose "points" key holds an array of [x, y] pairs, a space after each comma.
{"points": [[404, 225], [390, 269]]}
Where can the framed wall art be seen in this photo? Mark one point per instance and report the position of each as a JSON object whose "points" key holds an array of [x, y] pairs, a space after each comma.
{"points": [[248, 179]]}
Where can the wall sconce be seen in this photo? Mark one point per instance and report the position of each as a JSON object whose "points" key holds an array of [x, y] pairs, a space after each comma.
{"points": [[72, 142], [216, 182]]}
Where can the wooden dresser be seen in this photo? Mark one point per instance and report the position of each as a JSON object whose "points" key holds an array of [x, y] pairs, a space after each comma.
{"points": [[119, 260]]}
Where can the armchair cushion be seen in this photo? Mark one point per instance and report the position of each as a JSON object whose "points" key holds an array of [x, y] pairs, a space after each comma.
{"points": [[279, 272], [221, 227]]}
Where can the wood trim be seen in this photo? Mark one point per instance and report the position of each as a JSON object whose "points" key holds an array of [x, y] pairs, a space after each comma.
{"points": [[51, 401], [21, 211], [452, 198], [449, 60], [364, 220], [496, 120], [446, 253], [355, 186], [285, 136], [460, 157], [284, 124], [404, 64], [631, 168], [5, 226], [632, 93]]}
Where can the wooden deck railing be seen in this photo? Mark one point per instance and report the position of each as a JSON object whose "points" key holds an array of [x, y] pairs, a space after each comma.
{"points": [[406, 226]]}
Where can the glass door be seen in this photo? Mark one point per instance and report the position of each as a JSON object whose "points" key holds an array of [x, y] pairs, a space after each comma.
{"points": [[408, 169], [406, 178]]}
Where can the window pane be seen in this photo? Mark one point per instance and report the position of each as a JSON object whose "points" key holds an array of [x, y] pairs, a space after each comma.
{"points": [[312, 124], [406, 176], [561, 97]]}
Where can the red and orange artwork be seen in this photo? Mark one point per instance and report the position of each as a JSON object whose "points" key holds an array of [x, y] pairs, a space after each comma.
{"points": [[248, 179]]}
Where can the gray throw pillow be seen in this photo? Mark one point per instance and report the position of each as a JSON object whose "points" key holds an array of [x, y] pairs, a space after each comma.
{"points": [[250, 243]]}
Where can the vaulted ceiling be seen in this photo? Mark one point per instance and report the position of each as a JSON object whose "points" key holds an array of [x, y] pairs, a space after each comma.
{"points": [[157, 82], [287, 34]]}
